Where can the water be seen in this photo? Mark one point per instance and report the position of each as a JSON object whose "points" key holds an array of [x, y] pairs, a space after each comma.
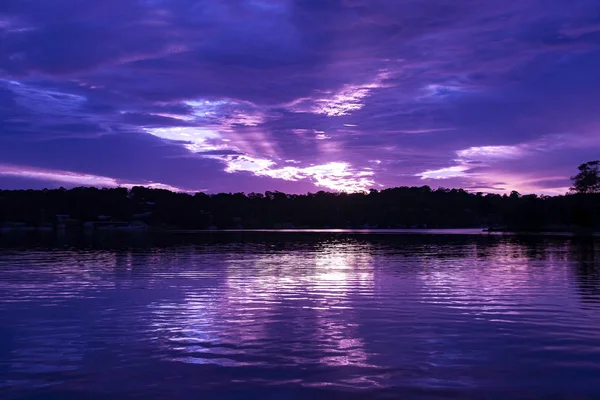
{"points": [[300, 315]]}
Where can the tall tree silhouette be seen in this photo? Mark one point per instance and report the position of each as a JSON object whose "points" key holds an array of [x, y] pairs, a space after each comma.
{"points": [[588, 178]]}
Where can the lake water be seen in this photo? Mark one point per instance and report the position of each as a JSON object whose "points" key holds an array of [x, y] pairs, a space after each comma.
{"points": [[299, 315]]}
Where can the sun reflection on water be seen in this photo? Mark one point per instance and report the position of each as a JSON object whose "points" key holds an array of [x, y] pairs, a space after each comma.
{"points": [[264, 296]]}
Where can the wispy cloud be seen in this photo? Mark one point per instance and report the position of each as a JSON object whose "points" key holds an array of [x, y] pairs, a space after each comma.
{"points": [[444, 173], [77, 179]]}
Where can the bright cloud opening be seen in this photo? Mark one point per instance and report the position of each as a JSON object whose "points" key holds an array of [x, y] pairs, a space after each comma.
{"points": [[444, 173], [197, 139], [337, 176], [245, 163], [484, 153], [345, 101], [348, 100]]}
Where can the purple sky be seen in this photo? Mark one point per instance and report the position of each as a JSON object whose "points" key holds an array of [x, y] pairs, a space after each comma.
{"points": [[297, 96]]}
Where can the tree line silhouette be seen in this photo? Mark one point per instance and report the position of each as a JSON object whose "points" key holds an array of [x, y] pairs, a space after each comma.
{"points": [[401, 207]]}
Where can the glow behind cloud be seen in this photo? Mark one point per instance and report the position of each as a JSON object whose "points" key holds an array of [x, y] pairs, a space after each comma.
{"points": [[481, 95]]}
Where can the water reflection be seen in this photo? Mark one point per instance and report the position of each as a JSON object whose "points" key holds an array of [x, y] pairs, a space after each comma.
{"points": [[500, 280], [267, 296], [359, 312], [586, 254]]}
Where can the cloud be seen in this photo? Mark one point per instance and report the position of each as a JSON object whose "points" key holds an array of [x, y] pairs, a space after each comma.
{"points": [[504, 162], [77, 179], [492, 153], [337, 176], [44, 101], [444, 173], [218, 95], [195, 139]]}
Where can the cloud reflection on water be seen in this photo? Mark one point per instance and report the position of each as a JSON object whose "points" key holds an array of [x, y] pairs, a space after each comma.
{"points": [[245, 313], [358, 311]]}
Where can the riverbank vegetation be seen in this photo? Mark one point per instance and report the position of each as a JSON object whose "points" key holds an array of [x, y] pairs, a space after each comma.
{"points": [[401, 207]]}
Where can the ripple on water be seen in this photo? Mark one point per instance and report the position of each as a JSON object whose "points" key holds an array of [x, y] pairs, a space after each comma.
{"points": [[423, 315]]}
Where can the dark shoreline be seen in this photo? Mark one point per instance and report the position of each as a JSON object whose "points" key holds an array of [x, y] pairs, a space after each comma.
{"points": [[405, 208], [460, 231], [553, 230]]}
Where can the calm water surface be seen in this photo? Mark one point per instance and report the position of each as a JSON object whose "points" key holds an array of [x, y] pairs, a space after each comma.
{"points": [[297, 315]]}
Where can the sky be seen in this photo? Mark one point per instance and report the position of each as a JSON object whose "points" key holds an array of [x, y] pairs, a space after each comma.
{"points": [[298, 96]]}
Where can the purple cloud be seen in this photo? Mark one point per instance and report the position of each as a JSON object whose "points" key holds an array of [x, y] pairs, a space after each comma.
{"points": [[295, 96]]}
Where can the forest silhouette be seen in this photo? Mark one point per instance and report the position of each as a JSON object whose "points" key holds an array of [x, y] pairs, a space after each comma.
{"points": [[401, 207]]}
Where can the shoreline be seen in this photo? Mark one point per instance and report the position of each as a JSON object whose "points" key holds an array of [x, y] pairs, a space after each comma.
{"points": [[432, 231]]}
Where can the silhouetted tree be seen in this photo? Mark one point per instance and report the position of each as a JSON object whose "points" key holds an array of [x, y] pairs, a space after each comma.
{"points": [[588, 178]]}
